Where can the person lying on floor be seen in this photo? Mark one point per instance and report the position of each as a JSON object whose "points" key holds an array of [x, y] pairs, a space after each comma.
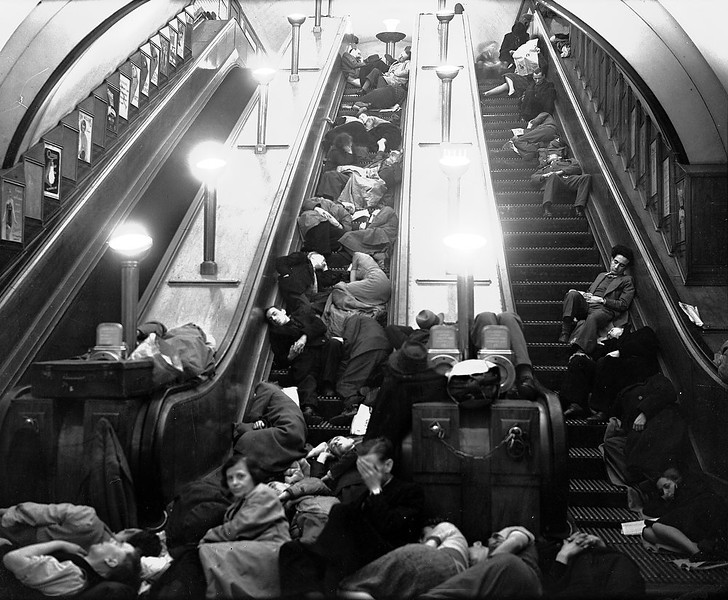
{"points": [[539, 133], [334, 462], [304, 278], [412, 569], [321, 223], [508, 568], [558, 177]]}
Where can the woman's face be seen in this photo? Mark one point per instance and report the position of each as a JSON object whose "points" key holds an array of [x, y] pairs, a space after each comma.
{"points": [[666, 488], [239, 480]]}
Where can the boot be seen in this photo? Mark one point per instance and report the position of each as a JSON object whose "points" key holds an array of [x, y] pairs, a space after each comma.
{"points": [[567, 328]]}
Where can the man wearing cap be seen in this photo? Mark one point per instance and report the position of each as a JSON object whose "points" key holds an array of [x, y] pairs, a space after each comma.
{"points": [[607, 301], [525, 383], [408, 378], [425, 319]]}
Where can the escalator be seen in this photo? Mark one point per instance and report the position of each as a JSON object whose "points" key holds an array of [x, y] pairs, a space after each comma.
{"points": [[546, 257]]}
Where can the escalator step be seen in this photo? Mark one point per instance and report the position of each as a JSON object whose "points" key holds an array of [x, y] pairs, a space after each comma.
{"points": [[543, 225], [540, 331], [597, 516], [586, 463], [534, 310], [554, 253]]}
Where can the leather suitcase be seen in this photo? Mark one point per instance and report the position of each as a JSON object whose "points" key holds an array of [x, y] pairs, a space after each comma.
{"points": [[91, 378]]}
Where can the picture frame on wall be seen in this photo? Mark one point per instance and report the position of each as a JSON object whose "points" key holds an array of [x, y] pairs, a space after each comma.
{"points": [[112, 109], [12, 217], [136, 74], [172, 46], [52, 156], [124, 90], [164, 55], [181, 27], [154, 53], [145, 71], [85, 127]]}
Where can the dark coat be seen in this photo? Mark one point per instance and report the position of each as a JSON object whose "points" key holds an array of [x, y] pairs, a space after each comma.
{"points": [[537, 99], [358, 133], [661, 444], [511, 41], [303, 321], [282, 440]]}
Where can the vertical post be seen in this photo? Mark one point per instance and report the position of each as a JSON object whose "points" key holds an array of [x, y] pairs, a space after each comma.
{"points": [[446, 74], [209, 266], [296, 21], [440, 4], [466, 310], [443, 27], [129, 302], [263, 76], [317, 18]]}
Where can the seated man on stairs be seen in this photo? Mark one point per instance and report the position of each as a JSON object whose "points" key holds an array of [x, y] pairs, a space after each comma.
{"points": [[608, 298], [560, 175]]}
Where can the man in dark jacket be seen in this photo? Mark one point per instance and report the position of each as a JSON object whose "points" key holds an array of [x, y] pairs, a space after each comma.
{"points": [[609, 297], [387, 515], [299, 342], [540, 96]]}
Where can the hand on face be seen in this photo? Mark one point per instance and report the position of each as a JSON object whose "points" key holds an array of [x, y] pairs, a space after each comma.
{"points": [[371, 471]]}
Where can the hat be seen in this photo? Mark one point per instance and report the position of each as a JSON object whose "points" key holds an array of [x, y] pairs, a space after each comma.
{"points": [[411, 358], [426, 319], [473, 383]]}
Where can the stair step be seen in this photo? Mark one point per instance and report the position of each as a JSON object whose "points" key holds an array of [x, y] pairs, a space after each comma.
{"points": [[586, 463], [596, 492], [582, 433], [543, 225], [540, 331], [550, 240], [549, 352], [597, 516], [555, 254], [548, 290], [534, 210], [511, 172], [527, 195], [509, 159], [549, 311], [546, 272], [497, 122]]}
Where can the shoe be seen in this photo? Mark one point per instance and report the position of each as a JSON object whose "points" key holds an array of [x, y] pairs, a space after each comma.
{"points": [[547, 211], [574, 411], [345, 418], [598, 417], [566, 331], [526, 387], [579, 211], [509, 145], [311, 417]]}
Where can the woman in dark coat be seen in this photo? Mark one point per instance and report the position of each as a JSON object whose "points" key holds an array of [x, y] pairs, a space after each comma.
{"points": [[340, 153], [692, 518], [511, 41]]}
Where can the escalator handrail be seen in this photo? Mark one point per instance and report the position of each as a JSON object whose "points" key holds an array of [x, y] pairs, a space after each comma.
{"points": [[646, 95]]}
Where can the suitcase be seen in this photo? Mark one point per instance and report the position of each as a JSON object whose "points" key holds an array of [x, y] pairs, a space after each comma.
{"points": [[91, 378]]}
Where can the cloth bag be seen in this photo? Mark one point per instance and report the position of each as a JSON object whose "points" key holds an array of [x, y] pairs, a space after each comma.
{"points": [[525, 58]]}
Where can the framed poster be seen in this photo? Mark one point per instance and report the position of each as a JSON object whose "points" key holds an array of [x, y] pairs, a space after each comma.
{"points": [[653, 168], [112, 109], [124, 88], [85, 125], [144, 76], [12, 213], [181, 39], [164, 55], [154, 65], [134, 93], [52, 171], [173, 46], [680, 197], [666, 187]]}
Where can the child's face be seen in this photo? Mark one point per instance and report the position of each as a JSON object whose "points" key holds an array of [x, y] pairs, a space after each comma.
{"points": [[666, 488], [239, 480], [340, 445]]}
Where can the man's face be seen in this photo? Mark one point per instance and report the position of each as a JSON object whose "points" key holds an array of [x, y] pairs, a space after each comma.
{"points": [[277, 316], [538, 78], [553, 158], [666, 488], [111, 552], [619, 265], [340, 445], [404, 56], [318, 261]]}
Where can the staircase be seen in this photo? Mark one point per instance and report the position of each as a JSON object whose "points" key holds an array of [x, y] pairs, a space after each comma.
{"points": [[546, 257]]}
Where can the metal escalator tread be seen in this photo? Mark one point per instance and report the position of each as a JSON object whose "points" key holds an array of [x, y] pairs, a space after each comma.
{"points": [[599, 514], [595, 485], [585, 453]]}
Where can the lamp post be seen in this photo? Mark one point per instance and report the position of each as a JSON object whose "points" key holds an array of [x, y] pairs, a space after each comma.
{"points": [[444, 17], [440, 4], [263, 76], [207, 161], [132, 244], [317, 17], [296, 21], [446, 73], [454, 163]]}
